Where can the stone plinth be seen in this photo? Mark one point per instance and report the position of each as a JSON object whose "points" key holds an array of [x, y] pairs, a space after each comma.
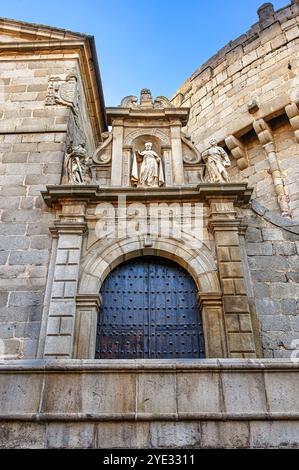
{"points": [[149, 404]]}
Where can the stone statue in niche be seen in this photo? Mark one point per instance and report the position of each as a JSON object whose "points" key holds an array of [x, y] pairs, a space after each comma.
{"points": [[150, 174], [78, 165], [216, 160]]}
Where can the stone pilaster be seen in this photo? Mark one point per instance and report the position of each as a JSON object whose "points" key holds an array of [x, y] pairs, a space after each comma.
{"points": [[177, 153], [117, 150], [213, 323], [238, 323], [62, 310], [87, 314]]}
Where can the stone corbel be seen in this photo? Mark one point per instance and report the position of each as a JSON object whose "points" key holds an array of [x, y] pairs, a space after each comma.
{"points": [[266, 138], [238, 151], [293, 115]]}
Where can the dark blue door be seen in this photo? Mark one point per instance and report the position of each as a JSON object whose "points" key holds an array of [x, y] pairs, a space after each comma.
{"points": [[149, 311]]}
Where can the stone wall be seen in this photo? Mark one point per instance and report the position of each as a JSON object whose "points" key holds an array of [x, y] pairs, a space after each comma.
{"points": [[262, 67], [255, 78], [149, 404], [34, 135]]}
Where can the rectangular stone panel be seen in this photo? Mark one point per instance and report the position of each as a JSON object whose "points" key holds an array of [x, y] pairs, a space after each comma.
{"points": [[198, 393], [283, 392], [244, 392], [156, 394], [21, 395]]}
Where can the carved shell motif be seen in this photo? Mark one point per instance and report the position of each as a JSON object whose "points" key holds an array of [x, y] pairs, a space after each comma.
{"points": [[101, 157]]}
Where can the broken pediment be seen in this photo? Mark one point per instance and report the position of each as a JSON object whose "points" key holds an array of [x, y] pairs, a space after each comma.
{"points": [[146, 101]]}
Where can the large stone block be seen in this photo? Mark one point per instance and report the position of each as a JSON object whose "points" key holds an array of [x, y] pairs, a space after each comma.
{"points": [[274, 435], [152, 399], [198, 394], [175, 435], [244, 393], [70, 436], [20, 396], [282, 394], [231, 270], [18, 435], [235, 304], [123, 435], [228, 435]]}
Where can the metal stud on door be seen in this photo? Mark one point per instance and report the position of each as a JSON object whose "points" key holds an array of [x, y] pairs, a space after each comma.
{"points": [[149, 312]]}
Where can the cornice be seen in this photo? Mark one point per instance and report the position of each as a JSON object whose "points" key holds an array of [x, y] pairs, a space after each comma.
{"points": [[239, 193]]}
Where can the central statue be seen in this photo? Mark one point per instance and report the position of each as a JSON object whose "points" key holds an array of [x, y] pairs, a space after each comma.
{"points": [[151, 172]]}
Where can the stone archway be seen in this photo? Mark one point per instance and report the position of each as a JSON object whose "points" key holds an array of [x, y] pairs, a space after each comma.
{"points": [[106, 256]]}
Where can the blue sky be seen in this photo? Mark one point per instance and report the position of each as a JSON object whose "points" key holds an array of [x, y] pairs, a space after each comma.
{"points": [[154, 44]]}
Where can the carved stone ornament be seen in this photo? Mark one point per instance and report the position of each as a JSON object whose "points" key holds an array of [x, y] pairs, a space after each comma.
{"points": [[78, 165], [129, 102], [103, 154], [146, 101], [150, 172], [217, 161], [64, 92]]}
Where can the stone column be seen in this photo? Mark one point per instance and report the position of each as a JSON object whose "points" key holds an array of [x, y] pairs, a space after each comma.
{"points": [[238, 323], [213, 325], [87, 314], [266, 138], [117, 150], [62, 309], [177, 154]]}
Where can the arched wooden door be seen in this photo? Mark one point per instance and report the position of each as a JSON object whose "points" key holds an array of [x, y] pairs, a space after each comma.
{"points": [[149, 311]]}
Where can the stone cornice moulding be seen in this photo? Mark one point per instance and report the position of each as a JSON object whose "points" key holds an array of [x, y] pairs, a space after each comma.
{"points": [[71, 366], [90, 74], [180, 114], [239, 193]]}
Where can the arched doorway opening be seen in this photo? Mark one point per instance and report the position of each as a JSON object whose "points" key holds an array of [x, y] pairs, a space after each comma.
{"points": [[149, 311]]}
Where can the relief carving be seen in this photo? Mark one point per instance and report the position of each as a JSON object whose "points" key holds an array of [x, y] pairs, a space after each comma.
{"points": [[64, 92]]}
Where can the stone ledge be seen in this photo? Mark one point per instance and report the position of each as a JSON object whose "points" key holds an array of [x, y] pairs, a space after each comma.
{"points": [[201, 365], [238, 192]]}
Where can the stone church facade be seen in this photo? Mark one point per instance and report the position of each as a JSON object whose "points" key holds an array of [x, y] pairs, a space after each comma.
{"points": [[149, 252]]}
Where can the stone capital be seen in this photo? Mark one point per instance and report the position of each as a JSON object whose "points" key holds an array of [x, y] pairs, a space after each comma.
{"points": [[209, 300], [224, 225], [88, 301], [68, 228]]}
